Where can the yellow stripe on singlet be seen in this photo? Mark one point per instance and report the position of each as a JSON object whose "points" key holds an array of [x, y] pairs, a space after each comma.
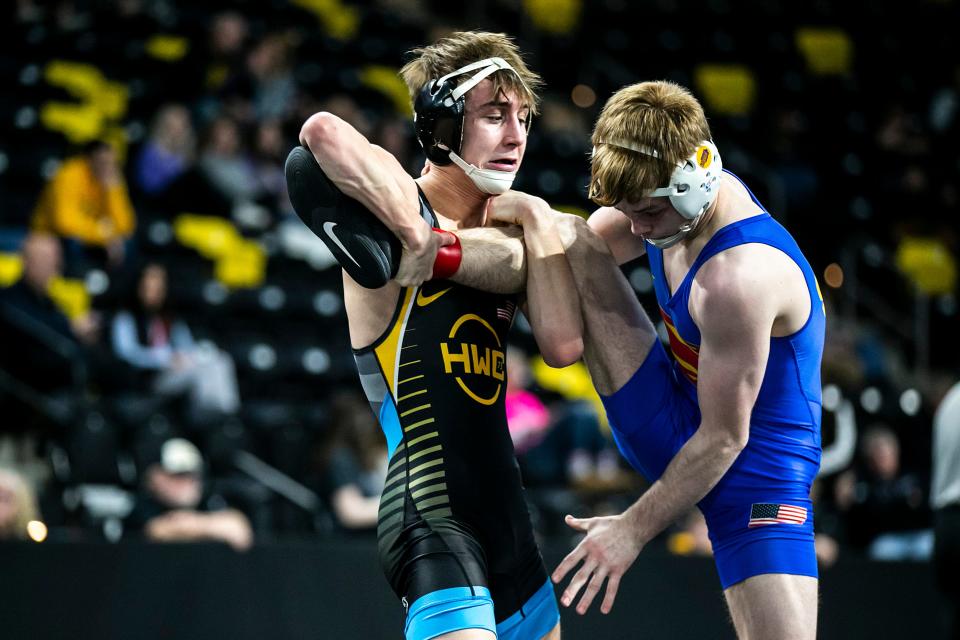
{"points": [[388, 352], [427, 490], [425, 465], [418, 424], [410, 395], [427, 478], [415, 409], [420, 454], [432, 434]]}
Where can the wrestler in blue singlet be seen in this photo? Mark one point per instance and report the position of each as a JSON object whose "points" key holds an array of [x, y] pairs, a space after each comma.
{"points": [[759, 515]]}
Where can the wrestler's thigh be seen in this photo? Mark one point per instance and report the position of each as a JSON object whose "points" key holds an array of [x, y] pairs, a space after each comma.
{"points": [[774, 605]]}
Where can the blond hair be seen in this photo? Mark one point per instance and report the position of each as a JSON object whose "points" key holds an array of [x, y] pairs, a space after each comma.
{"points": [[25, 504], [465, 47], [661, 116]]}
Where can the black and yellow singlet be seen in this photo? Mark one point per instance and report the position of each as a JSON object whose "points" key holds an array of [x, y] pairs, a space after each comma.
{"points": [[453, 513]]}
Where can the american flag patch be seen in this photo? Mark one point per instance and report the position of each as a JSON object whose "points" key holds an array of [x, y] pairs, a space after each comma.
{"points": [[506, 312], [761, 514]]}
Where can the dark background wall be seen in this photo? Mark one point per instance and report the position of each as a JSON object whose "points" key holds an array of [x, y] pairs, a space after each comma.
{"points": [[334, 589]]}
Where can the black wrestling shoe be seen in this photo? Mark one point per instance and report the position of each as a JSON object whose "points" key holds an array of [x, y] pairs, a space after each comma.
{"points": [[364, 247]]}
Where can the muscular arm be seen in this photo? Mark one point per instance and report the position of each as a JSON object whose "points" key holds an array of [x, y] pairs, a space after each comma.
{"points": [[735, 319], [552, 302], [494, 259], [371, 176], [614, 228], [528, 258]]}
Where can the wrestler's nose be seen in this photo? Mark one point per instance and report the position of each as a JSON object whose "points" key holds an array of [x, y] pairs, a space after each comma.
{"points": [[638, 229]]}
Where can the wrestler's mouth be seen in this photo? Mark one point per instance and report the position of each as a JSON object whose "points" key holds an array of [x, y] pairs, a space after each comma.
{"points": [[503, 164]]}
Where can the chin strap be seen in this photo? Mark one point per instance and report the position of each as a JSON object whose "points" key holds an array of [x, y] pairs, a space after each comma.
{"points": [[488, 181]]}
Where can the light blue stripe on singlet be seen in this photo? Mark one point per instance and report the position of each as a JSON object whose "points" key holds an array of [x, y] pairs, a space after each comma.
{"points": [[535, 619], [390, 422], [447, 610]]}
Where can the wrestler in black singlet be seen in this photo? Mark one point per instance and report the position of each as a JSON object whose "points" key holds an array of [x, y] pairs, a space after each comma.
{"points": [[453, 512]]}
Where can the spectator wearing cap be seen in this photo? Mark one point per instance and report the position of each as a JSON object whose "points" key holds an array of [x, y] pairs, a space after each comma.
{"points": [[173, 506]]}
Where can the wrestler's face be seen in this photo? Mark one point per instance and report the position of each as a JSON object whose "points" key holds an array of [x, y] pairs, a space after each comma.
{"points": [[494, 129], [651, 217]]}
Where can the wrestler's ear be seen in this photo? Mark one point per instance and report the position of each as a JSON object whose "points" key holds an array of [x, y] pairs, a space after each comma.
{"points": [[426, 168]]}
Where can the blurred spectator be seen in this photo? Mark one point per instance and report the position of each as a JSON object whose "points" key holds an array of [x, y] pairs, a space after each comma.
{"points": [[18, 505], [945, 500], [219, 64], [225, 162], [269, 65], [231, 171], [168, 153], [270, 153], [885, 507], [152, 340], [557, 445], [173, 507], [826, 524], [353, 463], [43, 349], [86, 203]]}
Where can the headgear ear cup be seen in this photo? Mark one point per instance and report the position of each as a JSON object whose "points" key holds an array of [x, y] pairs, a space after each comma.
{"points": [[695, 182], [438, 120]]}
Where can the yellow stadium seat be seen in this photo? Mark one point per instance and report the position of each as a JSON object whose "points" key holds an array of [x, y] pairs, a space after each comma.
{"points": [[167, 48], [244, 265], [727, 89], [929, 264], [573, 383], [388, 82], [826, 51], [339, 20], [11, 268], [554, 16], [101, 103], [71, 296], [78, 122], [238, 262], [211, 237]]}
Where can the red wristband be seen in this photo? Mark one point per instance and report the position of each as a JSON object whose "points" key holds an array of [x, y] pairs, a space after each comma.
{"points": [[448, 258]]}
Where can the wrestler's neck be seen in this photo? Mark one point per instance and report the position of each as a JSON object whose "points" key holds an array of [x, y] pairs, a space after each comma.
{"points": [[454, 197], [732, 204]]}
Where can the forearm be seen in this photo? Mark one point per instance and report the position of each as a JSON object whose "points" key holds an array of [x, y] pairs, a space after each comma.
{"points": [[494, 259], [228, 526], [362, 172], [353, 509], [692, 473], [553, 304]]}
